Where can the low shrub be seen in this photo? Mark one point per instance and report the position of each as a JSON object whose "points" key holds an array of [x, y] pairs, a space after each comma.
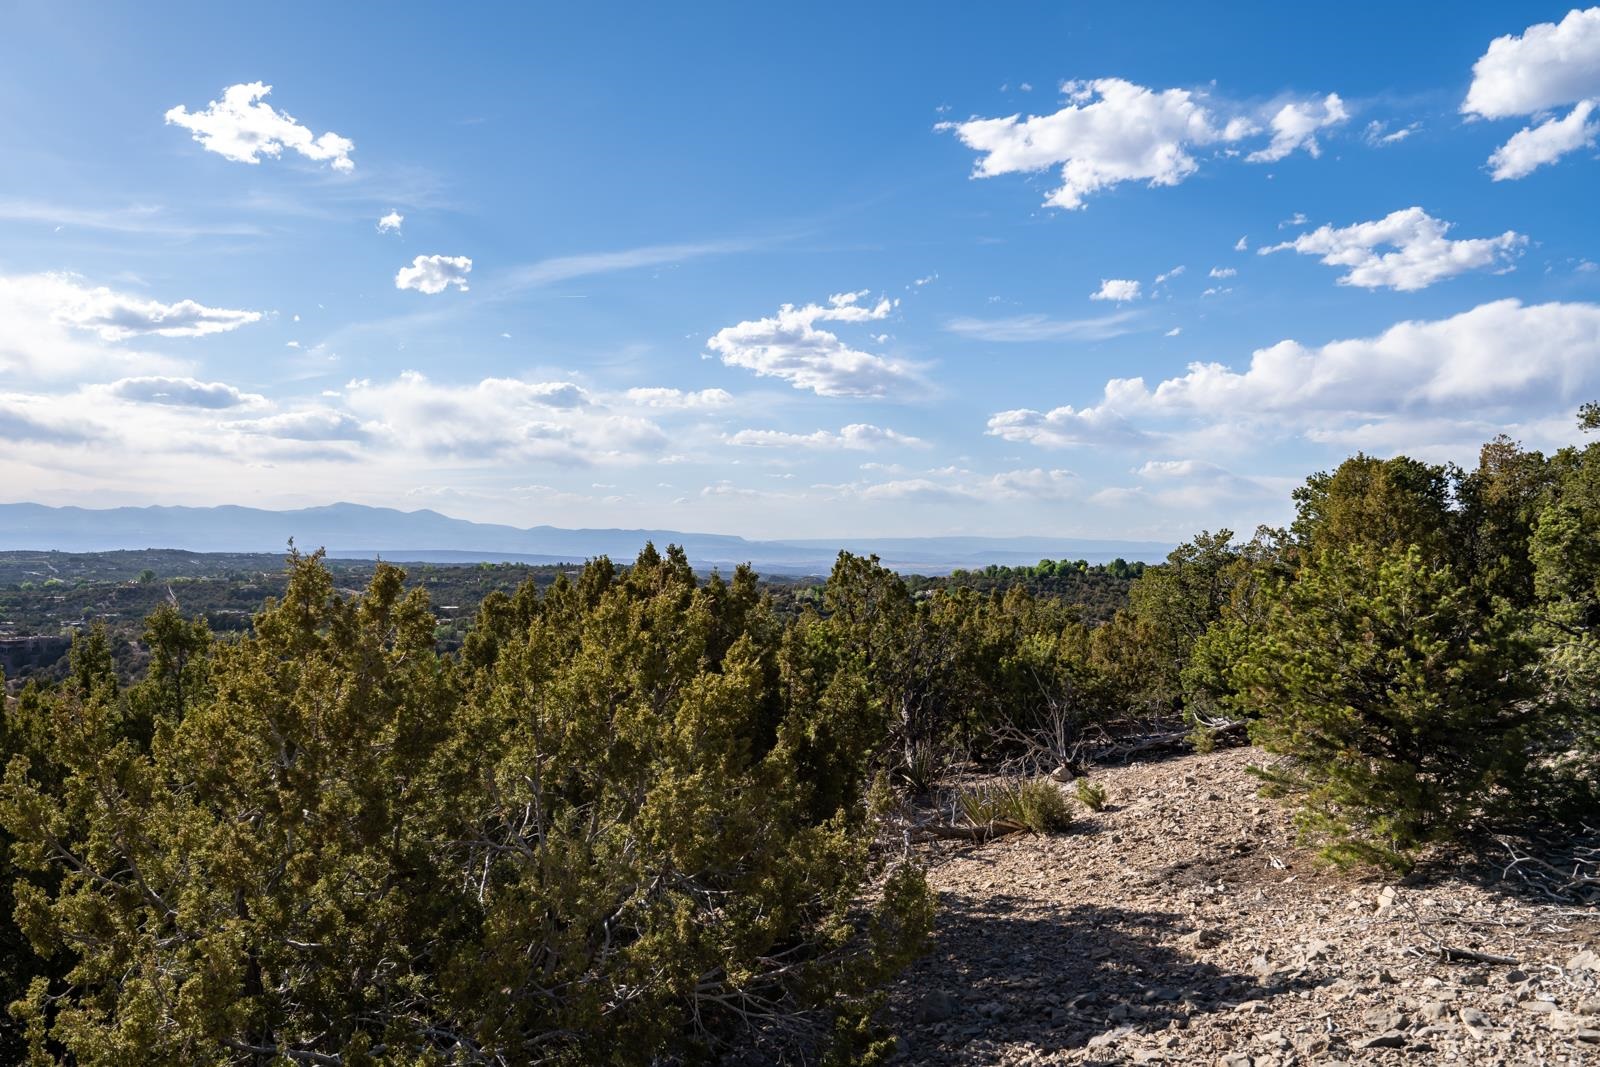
{"points": [[1036, 805], [1091, 795]]}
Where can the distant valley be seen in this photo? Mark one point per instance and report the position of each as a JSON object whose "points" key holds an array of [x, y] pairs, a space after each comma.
{"points": [[356, 531]]}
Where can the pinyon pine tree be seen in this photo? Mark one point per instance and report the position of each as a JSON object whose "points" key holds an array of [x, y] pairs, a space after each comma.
{"points": [[1405, 708]]}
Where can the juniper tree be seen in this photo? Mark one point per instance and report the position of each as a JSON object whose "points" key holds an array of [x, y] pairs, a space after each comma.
{"points": [[614, 828]]}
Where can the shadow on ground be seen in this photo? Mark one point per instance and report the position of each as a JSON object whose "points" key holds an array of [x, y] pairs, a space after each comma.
{"points": [[1540, 865], [1058, 979]]}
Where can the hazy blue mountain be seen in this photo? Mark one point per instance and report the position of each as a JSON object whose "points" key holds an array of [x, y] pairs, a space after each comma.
{"points": [[357, 530]]}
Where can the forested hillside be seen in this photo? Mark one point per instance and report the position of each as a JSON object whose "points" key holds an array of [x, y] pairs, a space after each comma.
{"points": [[51, 595], [46, 597], [642, 816]]}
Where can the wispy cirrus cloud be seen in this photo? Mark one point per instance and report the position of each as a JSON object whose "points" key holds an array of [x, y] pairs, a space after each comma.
{"points": [[1025, 328], [145, 219], [558, 269]]}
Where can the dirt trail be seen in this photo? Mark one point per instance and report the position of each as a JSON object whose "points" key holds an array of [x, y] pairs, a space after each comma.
{"points": [[1184, 925]]}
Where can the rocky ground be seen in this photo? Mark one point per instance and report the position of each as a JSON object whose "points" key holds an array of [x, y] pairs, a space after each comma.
{"points": [[1184, 925]]}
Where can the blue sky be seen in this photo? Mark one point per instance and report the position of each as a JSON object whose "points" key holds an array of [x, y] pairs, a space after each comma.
{"points": [[602, 209]]}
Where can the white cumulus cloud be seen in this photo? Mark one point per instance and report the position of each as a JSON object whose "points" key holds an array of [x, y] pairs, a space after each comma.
{"points": [[500, 419], [857, 436], [1549, 65], [1296, 124], [1419, 252], [679, 399], [310, 424], [40, 420], [791, 347], [434, 274], [1064, 427], [1112, 131], [182, 392], [57, 326], [1494, 353], [242, 128], [1118, 289], [118, 316], [391, 222], [1494, 363], [1532, 147]]}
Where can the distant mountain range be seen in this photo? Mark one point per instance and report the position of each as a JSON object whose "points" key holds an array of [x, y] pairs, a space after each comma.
{"points": [[358, 531]]}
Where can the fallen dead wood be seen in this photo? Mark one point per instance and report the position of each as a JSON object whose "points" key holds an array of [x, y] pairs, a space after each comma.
{"points": [[919, 832], [1169, 741], [1563, 870], [1467, 955]]}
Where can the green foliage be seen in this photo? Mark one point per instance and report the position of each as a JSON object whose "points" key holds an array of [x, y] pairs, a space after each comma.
{"points": [[17, 965], [1186, 622], [1405, 707], [1425, 649], [1002, 673], [1174, 605], [1499, 504], [921, 767], [1091, 795], [627, 823], [1374, 503], [1039, 682], [1036, 805], [1565, 552], [1253, 579], [625, 816], [1093, 590], [1589, 417]]}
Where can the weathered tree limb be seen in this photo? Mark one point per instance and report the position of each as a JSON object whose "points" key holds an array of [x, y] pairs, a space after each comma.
{"points": [[1467, 955]]}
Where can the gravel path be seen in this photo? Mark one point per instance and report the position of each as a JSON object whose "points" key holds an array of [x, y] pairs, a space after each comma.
{"points": [[1184, 925]]}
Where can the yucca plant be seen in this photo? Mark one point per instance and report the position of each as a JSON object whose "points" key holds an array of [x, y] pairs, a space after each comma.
{"points": [[1034, 804]]}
